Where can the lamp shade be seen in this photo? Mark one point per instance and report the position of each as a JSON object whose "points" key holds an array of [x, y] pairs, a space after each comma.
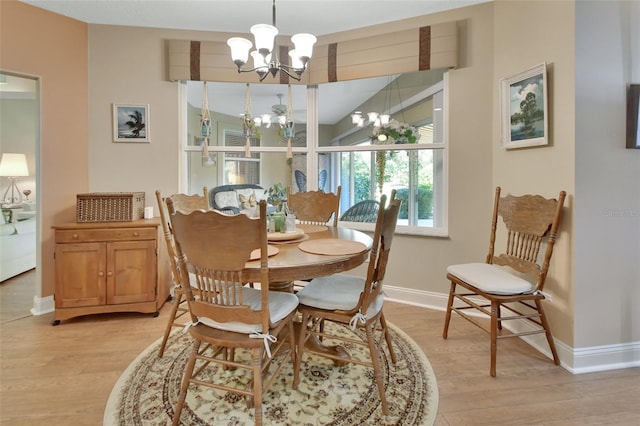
{"points": [[303, 44], [13, 165], [260, 62], [296, 62], [264, 35], [239, 49]]}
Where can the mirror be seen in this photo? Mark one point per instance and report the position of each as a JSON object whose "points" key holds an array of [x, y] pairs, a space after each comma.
{"points": [[341, 152]]}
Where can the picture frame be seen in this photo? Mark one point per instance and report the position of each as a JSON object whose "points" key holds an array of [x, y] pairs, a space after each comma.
{"points": [[131, 123], [633, 116], [523, 106]]}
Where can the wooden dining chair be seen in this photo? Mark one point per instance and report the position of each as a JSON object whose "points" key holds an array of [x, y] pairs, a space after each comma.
{"points": [[352, 300], [185, 203], [225, 314], [315, 207], [512, 280]]}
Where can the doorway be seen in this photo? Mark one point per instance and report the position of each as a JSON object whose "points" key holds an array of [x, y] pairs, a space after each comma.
{"points": [[20, 239]]}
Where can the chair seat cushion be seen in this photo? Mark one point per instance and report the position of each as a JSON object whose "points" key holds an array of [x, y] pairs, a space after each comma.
{"points": [[490, 278], [337, 292], [280, 305]]}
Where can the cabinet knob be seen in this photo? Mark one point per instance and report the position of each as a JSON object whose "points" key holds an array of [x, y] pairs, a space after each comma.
{"points": [[136, 234], [109, 274], [74, 236], [101, 274]]}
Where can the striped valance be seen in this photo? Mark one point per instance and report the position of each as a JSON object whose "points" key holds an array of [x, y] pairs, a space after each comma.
{"points": [[415, 49]]}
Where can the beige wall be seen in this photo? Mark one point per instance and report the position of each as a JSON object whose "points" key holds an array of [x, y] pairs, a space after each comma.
{"points": [[607, 207], [59, 59], [519, 45]]}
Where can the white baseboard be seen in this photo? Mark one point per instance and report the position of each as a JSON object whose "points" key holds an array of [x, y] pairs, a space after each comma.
{"points": [[576, 361], [42, 305]]}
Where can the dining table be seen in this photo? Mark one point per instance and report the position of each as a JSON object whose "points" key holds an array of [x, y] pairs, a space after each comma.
{"points": [[310, 252]]}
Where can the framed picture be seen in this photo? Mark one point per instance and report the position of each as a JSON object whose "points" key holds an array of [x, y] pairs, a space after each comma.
{"points": [[130, 123], [633, 116], [523, 105]]}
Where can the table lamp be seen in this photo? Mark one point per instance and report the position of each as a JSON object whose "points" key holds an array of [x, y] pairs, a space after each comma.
{"points": [[13, 166]]}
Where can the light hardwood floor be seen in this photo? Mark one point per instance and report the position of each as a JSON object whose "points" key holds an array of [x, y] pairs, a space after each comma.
{"points": [[63, 375]]}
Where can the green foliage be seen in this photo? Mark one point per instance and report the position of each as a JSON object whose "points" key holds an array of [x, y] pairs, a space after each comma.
{"points": [[362, 187], [276, 194], [425, 202]]}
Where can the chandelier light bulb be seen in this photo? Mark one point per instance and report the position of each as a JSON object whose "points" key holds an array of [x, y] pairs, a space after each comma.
{"points": [[266, 120]]}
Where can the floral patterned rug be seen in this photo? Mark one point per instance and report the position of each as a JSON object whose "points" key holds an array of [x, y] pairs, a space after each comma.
{"points": [[147, 391]]}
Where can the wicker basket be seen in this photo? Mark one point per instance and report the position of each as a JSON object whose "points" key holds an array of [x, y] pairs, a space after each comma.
{"points": [[110, 207]]}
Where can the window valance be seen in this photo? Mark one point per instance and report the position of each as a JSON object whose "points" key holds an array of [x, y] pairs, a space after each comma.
{"points": [[409, 50]]}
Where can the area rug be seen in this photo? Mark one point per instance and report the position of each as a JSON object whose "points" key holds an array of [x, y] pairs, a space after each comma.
{"points": [[147, 391]]}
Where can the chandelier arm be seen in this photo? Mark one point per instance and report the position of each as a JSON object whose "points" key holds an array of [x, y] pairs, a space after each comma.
{"points": [[284, 69]]}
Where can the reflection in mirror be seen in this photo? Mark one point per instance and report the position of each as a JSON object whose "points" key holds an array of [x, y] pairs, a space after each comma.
{"points": [[367, 158]]}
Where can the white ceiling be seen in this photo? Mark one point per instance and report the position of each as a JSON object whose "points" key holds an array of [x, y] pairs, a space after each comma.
{"points": [[292, 16]]}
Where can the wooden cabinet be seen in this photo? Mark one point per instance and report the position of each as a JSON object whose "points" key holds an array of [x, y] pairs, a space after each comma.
{"points": [[110, 267]]}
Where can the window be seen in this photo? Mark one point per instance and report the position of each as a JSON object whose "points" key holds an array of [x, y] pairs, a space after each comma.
{"points": [[329, 150]]}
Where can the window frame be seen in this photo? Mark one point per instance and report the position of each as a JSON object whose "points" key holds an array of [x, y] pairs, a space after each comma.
{"points": [[312, 151]]}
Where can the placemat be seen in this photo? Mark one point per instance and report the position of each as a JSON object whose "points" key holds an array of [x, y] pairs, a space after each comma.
{"points": [[301, 237], [332, 246], [310, 229], [271, 251], [282, 236]]}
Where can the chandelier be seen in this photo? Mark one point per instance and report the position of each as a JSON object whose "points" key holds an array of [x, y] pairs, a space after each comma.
{"points": [[265, 57], [381, 120]]}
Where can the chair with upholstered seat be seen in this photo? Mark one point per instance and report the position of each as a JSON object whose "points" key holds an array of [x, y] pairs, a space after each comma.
{"points": [[227, 316], [512, 277], [185, 203], [353, 300], [315, 207]]}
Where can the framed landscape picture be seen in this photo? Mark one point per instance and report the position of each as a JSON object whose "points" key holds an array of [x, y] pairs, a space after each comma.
{"points": [[130, 123], [523, 105]]}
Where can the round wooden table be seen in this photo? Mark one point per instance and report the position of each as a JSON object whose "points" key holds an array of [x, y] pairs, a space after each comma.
{"points": [[292, 264]]}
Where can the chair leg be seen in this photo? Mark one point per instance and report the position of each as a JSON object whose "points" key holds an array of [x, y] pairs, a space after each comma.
{"points": [[447, 318], [387, 337], [495, 308], [302, 337], [188, 372], [294, 353], [178, 299], [370, 330], [547, 331], [257, 385]]}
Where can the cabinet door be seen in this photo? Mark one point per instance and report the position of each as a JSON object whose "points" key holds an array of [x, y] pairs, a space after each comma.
{"points": [[131, 272], [80, 275]]}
